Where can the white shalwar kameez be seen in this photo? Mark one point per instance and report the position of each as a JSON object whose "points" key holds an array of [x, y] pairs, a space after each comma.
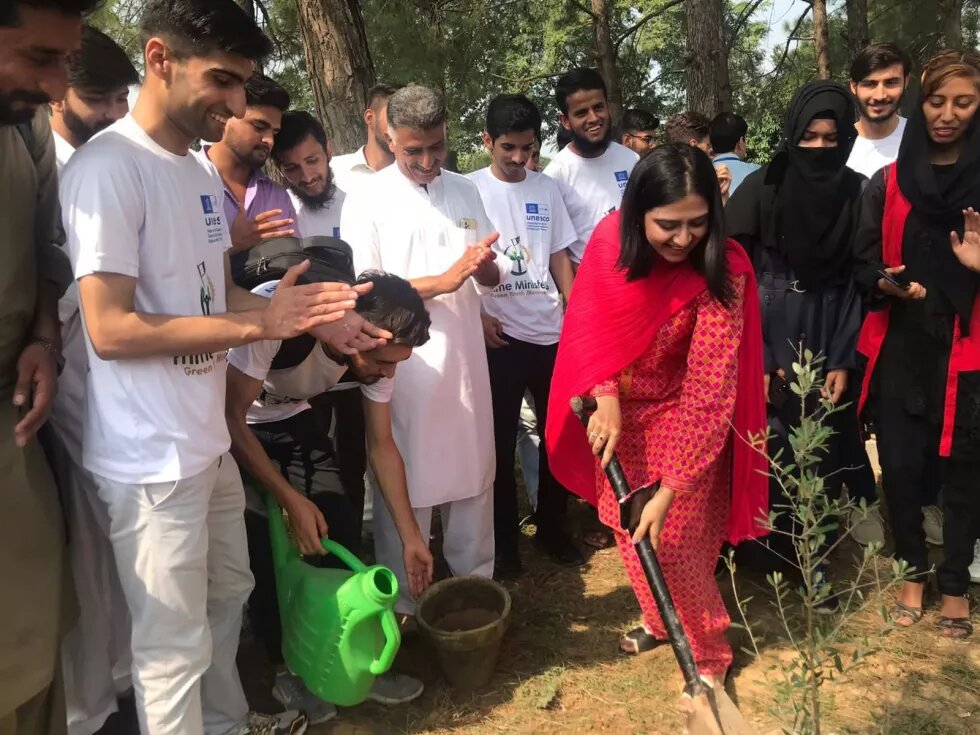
{"points": [[441, 412]]}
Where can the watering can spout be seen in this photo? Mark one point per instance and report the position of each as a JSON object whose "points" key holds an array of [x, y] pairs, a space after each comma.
{"points": [[282, 550]]}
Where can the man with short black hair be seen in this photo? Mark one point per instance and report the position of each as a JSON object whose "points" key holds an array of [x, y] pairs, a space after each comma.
{"points": [[36, 39], [99, 76], [879, 78], [428, 225], [302, 156], [592, 170], [639, 131], [727, 136], [524, 314], [375, 154], [148, 237], [256, 207]]}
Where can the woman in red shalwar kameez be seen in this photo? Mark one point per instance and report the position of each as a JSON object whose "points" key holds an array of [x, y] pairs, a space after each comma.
{"points": [[663, 328]]}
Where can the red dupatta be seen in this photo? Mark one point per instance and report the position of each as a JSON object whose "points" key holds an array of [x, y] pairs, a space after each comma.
{"points": [[609, 324]]}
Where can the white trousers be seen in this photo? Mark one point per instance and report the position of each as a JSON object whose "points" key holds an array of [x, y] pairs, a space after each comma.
{"points": [[467, 540], [95, 654], [183, 561]]}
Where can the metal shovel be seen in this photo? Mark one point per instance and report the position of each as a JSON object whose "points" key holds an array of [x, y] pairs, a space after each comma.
{"points": [[713, 712]]}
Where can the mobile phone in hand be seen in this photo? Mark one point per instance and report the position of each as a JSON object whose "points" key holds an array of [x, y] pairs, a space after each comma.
{"points": [[899, 280]]}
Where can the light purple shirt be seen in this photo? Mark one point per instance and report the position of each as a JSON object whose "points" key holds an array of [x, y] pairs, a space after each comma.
{"points": [[261, 195]]}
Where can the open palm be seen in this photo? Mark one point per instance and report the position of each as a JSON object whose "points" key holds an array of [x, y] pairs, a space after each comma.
{"points": [[968, 249]]}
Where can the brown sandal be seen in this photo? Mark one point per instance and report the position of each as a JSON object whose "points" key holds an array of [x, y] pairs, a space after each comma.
{"points": [[955, 628], [900, 610]]}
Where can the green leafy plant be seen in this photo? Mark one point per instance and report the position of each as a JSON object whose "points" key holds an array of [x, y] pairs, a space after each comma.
{"points": [[811, 521]]}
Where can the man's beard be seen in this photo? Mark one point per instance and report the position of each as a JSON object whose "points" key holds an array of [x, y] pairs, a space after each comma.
{"points": [[321, 200], [587, 148], [379, 138], [80, 129], [866, 113], [253, 159], [9, 115]]}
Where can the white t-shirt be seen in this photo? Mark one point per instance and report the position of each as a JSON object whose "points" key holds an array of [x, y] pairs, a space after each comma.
{"points": [[351, 169], [591, 187], [441, 412], [130, 207], [319, 221], [868, 156], [286, 392], [533, 225]]}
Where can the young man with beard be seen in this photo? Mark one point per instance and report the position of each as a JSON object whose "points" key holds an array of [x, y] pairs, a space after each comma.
{"points": [[375, 154], [525, 312], [148, 239], [95, 653], [428, 225], [36, 39], [276, 438], [302, 155], [879, 77], [592, 170], [99, 77], [256, 207]]}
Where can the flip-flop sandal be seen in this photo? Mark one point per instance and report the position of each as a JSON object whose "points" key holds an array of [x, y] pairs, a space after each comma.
{"points": [[599, 540], [900, 610], [955, 628], [638, 641]]}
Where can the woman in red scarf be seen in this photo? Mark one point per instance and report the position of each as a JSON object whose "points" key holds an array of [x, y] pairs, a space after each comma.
{"points": [[664, 329]]}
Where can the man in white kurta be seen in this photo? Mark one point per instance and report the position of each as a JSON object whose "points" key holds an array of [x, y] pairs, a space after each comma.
{"points": [[428, 225]]}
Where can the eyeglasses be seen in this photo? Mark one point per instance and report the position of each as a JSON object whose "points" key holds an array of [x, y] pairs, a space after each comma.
{"points": [[647, 138]]}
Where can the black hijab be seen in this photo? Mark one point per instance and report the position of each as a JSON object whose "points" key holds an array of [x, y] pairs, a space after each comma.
{"points": [[815, 218], [938, 195]]}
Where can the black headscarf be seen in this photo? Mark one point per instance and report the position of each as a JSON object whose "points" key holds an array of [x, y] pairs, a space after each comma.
{"points": [[814, 217], [938, 196]]}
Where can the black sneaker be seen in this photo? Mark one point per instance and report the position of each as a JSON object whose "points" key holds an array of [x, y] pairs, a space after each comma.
{"points": [[507, 566], [560, 548]]}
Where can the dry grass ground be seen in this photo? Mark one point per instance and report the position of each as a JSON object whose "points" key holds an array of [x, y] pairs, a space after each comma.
{"points": [[560, 671]]}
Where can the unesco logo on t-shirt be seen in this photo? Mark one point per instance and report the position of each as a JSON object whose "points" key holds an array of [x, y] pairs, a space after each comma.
{"points": [[209, 203], [537, 216], [621, 178]]}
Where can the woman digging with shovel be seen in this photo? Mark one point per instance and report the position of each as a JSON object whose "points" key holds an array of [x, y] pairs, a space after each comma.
{"points": [[663, 329]]}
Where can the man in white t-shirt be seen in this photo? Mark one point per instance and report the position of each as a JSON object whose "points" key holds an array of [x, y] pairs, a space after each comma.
{"points": [[352, 168], [526, 309], [428, 225], [95, 652], [302, 156], [148, 240], [879, 78], [276, 438], [592, 170]]}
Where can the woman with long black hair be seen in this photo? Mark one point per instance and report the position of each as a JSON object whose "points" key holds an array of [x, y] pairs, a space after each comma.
{"points": [[663, 329], [797, 218], [923, 342]]}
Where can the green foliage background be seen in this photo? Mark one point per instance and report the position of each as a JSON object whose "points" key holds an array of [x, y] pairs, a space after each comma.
{"points": [[475, 49]]}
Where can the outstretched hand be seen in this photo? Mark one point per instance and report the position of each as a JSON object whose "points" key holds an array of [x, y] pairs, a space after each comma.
{"points": [[967, 250]]}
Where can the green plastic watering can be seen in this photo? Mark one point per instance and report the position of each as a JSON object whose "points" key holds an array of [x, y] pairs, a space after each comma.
{"points": [[339, 629]]}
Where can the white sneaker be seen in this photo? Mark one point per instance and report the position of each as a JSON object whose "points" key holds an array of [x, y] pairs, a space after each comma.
{"points": [[290, 691], [285, 723], [932, 524], [867, 529], [975, 566]]}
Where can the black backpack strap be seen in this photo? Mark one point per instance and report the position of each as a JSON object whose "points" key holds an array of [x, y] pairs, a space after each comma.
{"points": [[26, 132], [293, 351]]}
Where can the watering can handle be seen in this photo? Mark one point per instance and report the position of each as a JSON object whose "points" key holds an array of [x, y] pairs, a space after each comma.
{"points": [[332, 547], [389, 624]]}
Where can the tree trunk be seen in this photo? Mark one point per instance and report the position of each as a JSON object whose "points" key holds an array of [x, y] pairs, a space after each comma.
{"points": [[821, 38], [340, 67], [709, 89], [249, 6], [605, 51], [951, 23], [857, 26]]}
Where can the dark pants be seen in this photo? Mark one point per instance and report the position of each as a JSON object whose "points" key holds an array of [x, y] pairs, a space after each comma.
{"points": [[514, 369], [306, 458], [908, 448], [340, 415], [858, 475]]}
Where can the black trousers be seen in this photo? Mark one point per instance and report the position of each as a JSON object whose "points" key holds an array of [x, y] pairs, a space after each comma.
{"points": [[305, 456], [514, 369], [858, 475], [908, 448]]}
